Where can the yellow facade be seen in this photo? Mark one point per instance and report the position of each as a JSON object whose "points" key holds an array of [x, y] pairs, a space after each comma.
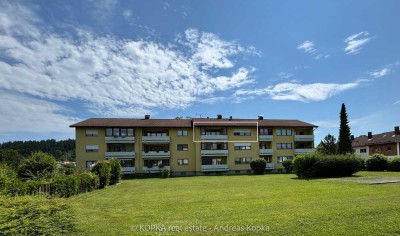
{"points": [[192, 160]]}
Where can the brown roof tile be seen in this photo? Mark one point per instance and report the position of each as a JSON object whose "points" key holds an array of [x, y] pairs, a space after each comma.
{"points": [[387, 137]]}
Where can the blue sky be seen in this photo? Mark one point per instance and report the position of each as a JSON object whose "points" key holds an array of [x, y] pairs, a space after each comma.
{"points": [[65, 61]]}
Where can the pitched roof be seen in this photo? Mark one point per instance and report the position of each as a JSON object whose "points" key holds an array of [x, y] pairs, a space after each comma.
{"points": [[387, 137], [125, 122]]}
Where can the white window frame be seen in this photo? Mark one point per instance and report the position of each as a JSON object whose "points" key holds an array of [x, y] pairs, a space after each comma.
{"points": [[92, 132]]}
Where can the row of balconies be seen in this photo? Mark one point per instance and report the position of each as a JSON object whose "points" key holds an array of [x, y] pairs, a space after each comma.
{"points": [[167, 154], [166, 139]]}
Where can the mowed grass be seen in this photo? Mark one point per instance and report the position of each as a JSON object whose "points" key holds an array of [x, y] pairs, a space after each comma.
{"points": [[287, 205]]}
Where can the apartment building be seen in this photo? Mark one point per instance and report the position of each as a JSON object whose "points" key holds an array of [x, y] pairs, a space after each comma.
{"points": [[195, 146], [387, 143]]}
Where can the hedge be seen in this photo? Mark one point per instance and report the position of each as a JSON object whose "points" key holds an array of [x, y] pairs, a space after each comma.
{"points": [[313, 165], [377, 162], [103, 170], [116, 171], [258, 166], [35, 215], [288, 164], [394, 164]]}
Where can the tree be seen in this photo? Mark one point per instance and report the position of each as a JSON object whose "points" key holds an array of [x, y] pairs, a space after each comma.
{"points": [[11, 157], [328, 145], [103, 170], [344, 142], [258, 166], [116, 171], [39, 165]]}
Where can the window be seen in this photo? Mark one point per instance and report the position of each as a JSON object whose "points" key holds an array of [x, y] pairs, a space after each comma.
{"points": [[284, 158], [389, 148], [90, 163], [284, 132], [363, 150], [266, 131], [284, 146], [92, 132], [127, 162], [131, 132], [183, 162], [214, 146], [183, 132], [378, 150], [124, 132], [242, 146], [116, 131], [182, 147], [92, 148], [109, 132], [245, 132], [242, 160], [268, 159]]}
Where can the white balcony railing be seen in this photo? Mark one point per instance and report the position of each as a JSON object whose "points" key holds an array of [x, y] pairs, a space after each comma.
{"points": [[155, 139], [120, 154], [120, 139], [270, 166], [128, 170], [206, 168], [266, 151], [154, 169], [303, 150], [298, 137], [265, 138], [216, 137], [151, 154], [214, 152]]}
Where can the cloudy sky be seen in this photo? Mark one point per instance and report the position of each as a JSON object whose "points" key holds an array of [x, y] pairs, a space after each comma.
{"points": [[65, 61]]}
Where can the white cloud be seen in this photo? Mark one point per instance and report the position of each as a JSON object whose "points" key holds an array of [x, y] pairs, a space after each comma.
{"points": [[114, 77], [300, 92], [397, 102], [379, 73], [307, 46], [285, 75], [354, 42], [127, 14], [27, 114]]}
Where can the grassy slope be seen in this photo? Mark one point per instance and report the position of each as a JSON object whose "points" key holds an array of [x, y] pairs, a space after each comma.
{"points": [[287, 205]]}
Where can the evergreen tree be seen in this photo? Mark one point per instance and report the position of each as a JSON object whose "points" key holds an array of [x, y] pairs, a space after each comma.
{"points": [[344, 142], [328, 145]]}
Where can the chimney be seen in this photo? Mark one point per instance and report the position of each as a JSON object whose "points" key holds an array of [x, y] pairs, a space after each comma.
{"points": [[219, 116], [352, 137], [369, 135], [146, 117], [260, 117], [396, 130], [230, 118]]}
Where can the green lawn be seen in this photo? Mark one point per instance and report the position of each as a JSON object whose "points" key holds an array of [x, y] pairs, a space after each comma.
{"points": [[288, 206]]}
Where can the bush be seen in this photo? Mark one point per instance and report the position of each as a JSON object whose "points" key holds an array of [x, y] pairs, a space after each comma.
{"points": [[15, 187], [35, 215], [377, 162], [87, 182], [116, 171], [39, 165], [103, 171], [68, 169], [165, 173], [65, 185], [33, 187], [6, 175], [394, 164], [313, 165], [288, 164], [258, 166], [362, 164]]}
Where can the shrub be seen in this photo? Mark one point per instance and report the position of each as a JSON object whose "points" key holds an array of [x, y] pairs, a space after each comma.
{"points": [[87, 182], [258, 166], [288, 164], [65, 185], [68, 169], [394, 164], [35, 215], [33, 187], [165, 173], [313, 165], [6, 175], [15, 187], [103, 171], [116, 171], [377, 162], [362, 164], [39, 165]]}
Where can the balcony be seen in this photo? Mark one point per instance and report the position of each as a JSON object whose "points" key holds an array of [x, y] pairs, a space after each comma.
{"points": [[156, 154], [266, 138], [214, 137], [207, 168], [155, 139], [304, 138], [303, 151], [266, 151], [270, 166], [120, 139], [214, 152], [128, 170], [154, 169], [120, 154]]}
